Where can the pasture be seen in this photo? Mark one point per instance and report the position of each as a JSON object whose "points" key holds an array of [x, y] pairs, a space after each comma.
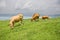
{"points": [[40, 30]]}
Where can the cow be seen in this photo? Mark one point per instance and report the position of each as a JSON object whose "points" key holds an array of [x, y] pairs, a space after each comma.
{"points": [[15, 19], [45, 17], [35, 16]]}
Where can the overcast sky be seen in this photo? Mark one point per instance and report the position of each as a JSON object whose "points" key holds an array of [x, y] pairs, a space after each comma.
{"points": [[46, 7]]}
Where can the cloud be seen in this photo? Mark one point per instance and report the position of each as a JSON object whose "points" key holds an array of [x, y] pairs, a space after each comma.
{"points": [[7, 6], [35, 4], [2, 4], [27, 5], [19, 4], [59, 2]]}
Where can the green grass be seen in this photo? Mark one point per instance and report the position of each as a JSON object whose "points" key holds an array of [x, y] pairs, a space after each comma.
{"points": [[41, 30]]}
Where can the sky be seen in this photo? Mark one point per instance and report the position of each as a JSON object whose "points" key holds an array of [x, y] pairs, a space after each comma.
{"points": [[28, 7]]}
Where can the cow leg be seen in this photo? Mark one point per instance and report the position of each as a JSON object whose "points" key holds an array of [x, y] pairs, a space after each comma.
{"points": [[34, 19], [22, 22], [37, 18], [12, 25]]}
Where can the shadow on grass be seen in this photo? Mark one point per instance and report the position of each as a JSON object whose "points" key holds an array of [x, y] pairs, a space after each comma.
{"points": [[17, 25]]}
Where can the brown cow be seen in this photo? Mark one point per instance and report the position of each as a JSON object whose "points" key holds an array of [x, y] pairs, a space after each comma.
{"points": [[16, 18], [35, 16], [45, 17]]}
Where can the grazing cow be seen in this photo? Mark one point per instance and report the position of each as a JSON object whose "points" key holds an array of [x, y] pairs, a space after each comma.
{"points": [[45, 17], [35, 16], [16, 18]]}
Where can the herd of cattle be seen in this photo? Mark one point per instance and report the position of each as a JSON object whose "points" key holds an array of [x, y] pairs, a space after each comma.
{"points": [[19, 18]]}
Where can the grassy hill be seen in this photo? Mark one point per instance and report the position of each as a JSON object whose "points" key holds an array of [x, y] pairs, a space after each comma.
{"points": [[41, 30]]}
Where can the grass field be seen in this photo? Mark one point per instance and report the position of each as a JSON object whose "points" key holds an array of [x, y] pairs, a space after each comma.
{"points": [[41, 30]]}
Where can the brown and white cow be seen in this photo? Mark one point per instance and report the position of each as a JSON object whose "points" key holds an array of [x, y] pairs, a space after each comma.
{"points": [[15, 19], [35, 16], [45, 17]]}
